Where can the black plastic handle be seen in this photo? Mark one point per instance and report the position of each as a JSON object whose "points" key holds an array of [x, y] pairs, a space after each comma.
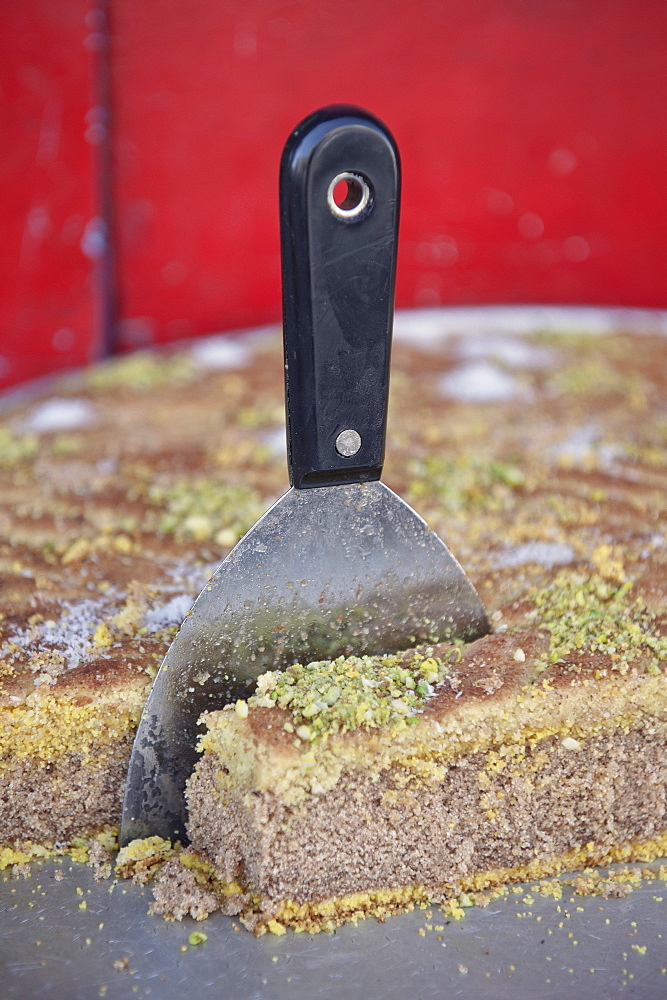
{"points": [[339, 206]]}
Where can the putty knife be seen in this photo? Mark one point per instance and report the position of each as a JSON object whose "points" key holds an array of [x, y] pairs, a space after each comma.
{"points": [[339, 564]]}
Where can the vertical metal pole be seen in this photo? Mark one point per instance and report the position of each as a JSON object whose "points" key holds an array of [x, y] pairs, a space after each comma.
{"points": [[104, 340]]}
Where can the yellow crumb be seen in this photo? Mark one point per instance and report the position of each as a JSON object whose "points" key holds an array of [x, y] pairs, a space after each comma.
{"points": [[102, 636], [275, 927]]}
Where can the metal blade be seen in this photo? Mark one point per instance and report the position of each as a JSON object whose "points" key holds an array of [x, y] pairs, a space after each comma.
{"points": [[340, 569]]}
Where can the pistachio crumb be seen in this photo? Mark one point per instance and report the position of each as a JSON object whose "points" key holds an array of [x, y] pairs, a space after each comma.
{"points": [[595, 614], [330, 696], [197, 938]]}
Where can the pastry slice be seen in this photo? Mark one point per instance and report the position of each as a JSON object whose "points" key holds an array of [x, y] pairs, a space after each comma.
{"points": [[366, 785]]}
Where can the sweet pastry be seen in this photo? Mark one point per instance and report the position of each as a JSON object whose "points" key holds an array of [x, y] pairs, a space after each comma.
{"points": [[518, 766], [360, 786], [112, 516]]}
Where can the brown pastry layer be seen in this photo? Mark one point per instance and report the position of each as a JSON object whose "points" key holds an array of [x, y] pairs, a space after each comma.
{"points": [[54, 803], [534, 770], [377, 833], [109, 526], [108, 530]]}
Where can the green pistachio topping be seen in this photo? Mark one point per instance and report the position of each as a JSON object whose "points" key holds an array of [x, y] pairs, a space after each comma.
{"points": [[464, 483], [599, 376], [141, 370], [16, 448], [331, 696], [596, 615], [197, 938], [204, 510]]}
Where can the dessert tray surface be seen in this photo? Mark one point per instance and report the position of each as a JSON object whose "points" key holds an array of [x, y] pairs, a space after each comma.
{"points": [[522, 945]]}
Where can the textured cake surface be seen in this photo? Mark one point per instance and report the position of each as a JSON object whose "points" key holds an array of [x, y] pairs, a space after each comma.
{"points": [[515, 768], [542, 462], [112, 517]]}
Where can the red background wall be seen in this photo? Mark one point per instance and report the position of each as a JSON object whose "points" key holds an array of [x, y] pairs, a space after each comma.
{"points": [[48, 208], [533, 138]]}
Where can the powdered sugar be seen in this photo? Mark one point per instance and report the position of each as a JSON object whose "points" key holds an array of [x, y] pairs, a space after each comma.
{"points": [[171, 613], [70, 635], [427, 328], [584, 445], [579, 445], [543, 553], [221, 353], [275, 440], [187, 577], [480, 382], [59, 414], [510, 351]]}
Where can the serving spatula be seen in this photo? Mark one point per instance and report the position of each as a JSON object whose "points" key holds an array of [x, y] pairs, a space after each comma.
{"points": [[340, 564]]}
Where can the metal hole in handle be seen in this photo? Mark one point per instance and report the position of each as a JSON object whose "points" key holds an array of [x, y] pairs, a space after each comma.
{"points": [[357, 196]]}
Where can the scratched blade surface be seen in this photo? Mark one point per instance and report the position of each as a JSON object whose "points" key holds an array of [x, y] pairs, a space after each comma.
{"points": [[340, 569]]}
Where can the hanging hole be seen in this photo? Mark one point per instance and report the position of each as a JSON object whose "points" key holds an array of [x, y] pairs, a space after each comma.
{"points": [[341, 195], [349, 196]]}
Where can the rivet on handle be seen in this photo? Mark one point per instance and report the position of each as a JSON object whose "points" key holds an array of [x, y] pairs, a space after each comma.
{"points": [[348, 443]]}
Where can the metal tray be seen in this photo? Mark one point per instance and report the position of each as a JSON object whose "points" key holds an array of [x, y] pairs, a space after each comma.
{"points": [[521, 946]]}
